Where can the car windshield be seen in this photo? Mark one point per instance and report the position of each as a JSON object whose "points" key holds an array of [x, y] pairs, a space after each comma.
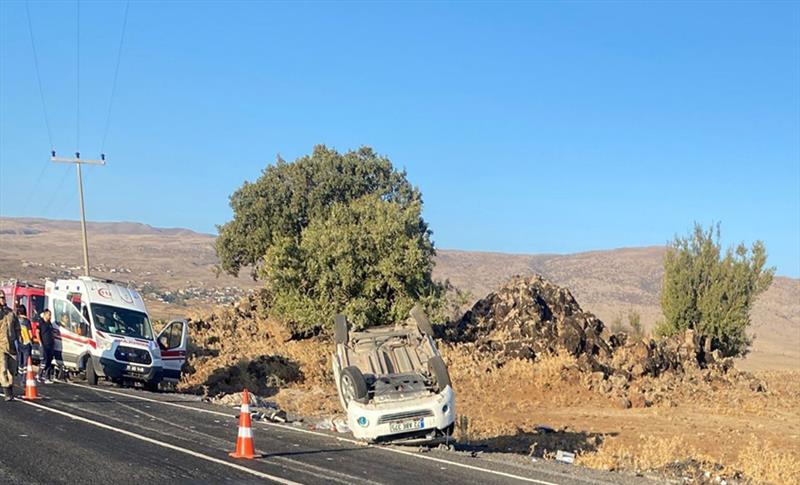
{"points": [[121, 321]]}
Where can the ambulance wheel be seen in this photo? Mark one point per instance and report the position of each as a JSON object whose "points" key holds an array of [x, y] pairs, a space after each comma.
{"points": [[91, 375]]}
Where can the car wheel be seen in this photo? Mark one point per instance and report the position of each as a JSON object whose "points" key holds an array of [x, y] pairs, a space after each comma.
{"points": [[91, 375], [423, 324], [438, 369], [340, 329], [353, 386]]}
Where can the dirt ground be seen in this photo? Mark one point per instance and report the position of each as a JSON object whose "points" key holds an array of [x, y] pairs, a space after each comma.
{"points": [[696, 423], [537, 408], [732, 432]]}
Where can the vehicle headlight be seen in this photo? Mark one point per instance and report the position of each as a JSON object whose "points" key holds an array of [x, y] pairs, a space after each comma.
{"points": [[362, 421], [104, 344]]}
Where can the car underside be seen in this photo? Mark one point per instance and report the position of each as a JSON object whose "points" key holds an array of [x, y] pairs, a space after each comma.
{"points": [[393, 383]]}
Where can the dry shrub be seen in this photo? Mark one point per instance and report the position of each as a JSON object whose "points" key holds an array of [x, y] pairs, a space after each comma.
{"points": [[651, 453], [549, 368], [760, 462]]}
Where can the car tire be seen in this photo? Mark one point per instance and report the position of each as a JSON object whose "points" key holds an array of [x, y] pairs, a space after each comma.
{"points": [[340, 329], [439, 372], [91, 375], [421, 319], [353, 386]]}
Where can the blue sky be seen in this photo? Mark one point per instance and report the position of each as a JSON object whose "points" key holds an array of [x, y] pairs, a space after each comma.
{"points": [[530, 128]]}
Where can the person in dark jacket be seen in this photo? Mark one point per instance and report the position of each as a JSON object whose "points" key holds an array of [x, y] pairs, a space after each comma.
{"points": [[25, 333], [48, 341]]}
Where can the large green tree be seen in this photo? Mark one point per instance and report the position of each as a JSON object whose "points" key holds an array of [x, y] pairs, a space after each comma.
{"points": [[287, 196], [370, 259], [710, 291], [333, 233]]}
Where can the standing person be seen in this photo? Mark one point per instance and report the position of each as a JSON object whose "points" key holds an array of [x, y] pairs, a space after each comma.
{"points": [[25, 333], [9, 330], [48, 342]]}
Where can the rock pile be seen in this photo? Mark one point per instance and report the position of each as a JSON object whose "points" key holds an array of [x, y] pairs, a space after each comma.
{"points": [[530, 316]]}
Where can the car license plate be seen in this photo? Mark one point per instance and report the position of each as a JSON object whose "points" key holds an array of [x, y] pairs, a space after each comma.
{"points": [[135, 368], [406, 426]]}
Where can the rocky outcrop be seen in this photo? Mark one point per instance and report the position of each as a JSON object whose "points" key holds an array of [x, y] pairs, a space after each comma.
{"points": [[530, 316]]}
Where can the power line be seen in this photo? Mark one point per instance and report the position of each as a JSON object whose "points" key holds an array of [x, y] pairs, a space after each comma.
{"points": [[116, 73], [44, 106], [39, 77]]}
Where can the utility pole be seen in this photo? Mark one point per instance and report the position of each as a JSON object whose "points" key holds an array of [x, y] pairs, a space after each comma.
{"points": [[78, 162]]}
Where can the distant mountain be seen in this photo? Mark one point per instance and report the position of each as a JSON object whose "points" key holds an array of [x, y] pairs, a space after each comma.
{"points": [[30, 226], [177, 265]]}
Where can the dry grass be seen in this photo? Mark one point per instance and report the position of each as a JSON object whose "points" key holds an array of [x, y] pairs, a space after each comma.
{"points": [[761, 462], [712, 426], [649, 453]]}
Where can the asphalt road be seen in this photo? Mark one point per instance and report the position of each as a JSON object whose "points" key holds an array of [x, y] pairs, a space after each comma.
{"points": [[104, 434]]}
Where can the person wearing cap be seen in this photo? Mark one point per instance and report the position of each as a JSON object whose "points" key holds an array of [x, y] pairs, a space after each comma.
{"points": [[9, 333]]}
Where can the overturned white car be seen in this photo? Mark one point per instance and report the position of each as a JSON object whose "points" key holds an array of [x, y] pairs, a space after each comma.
{"points": [[393, 383]]}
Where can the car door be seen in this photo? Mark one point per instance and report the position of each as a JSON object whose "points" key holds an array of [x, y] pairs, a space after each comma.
{"points": [[173, 341]]}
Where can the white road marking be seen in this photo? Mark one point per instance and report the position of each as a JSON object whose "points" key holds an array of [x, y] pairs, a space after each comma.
{"points": [[315, 433], [327, 475], [165, 445]]}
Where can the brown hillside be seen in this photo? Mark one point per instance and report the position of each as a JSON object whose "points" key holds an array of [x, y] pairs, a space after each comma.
{"points": [[165, 262]]}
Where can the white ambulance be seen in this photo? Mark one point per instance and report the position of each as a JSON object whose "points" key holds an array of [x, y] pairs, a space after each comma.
{"points": [[103, 330]]}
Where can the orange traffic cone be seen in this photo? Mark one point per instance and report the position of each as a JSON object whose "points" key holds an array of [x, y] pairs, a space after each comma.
{"points": [[245, 448], [30, 383]]}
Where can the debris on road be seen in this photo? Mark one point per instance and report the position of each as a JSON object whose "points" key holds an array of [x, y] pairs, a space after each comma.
{"points": [[565, 457], [340, 425]]}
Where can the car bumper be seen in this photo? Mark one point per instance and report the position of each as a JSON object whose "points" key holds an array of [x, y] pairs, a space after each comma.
{"points": [[114, 369], [366, 424]]}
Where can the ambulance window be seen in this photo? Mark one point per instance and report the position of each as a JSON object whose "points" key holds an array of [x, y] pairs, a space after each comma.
{"points": [[171, 337], [60, 312], [68, 318], [175, 335]]}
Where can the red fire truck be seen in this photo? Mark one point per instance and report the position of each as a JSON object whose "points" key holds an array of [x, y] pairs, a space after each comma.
{"points": [[31, 296]]}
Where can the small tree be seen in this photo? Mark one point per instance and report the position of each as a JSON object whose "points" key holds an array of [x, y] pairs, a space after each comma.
{"points": [[635, 322], [710, 292]]}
